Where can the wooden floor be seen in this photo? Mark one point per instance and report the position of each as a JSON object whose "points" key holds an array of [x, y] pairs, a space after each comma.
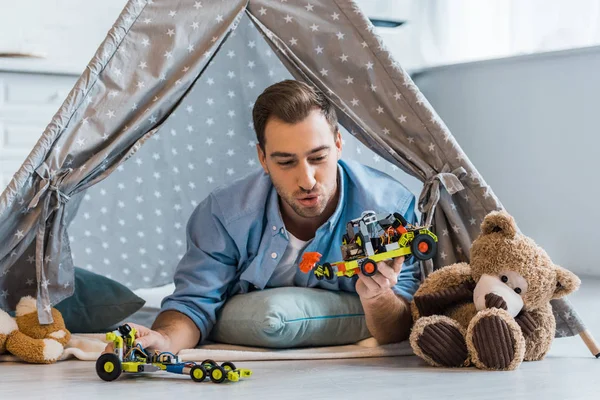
{"points": [[569, 372]]}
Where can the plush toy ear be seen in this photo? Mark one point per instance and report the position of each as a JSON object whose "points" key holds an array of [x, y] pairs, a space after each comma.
{"points": [[499, 221], [566, 282]]}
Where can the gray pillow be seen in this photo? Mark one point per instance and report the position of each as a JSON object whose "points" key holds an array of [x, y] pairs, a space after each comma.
{"points": [[97, 304], [291, 317]]}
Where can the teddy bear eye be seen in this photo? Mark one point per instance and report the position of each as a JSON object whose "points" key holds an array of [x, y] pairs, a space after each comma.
{"points": [[518, 290], [504, 278]]}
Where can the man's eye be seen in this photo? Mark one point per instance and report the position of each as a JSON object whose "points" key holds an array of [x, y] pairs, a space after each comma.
{"points": [[319, 158], [285, 162]]}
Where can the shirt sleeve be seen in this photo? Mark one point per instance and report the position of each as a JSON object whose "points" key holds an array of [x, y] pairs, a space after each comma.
{"points": [[409, 278], [206, 270]]}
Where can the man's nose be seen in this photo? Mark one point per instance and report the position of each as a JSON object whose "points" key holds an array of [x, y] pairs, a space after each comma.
{"points": [[306, 178]]}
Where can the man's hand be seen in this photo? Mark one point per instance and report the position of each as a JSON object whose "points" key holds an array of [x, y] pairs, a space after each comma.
{"points": [[147, 338], [370, 287]]}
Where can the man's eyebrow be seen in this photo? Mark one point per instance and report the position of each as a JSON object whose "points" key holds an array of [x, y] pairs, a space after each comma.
{"points": [[283, 154]]}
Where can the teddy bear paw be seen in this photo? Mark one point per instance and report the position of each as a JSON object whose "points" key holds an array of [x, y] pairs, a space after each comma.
{"points": [[7, 326], [440, 341], [495, 340]]}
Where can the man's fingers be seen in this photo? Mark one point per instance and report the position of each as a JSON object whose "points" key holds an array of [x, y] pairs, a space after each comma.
{"points": [[388, 271], [381, 280], [146, 341], [368, 281], [110, 348], [397, 265], [140, 330]]}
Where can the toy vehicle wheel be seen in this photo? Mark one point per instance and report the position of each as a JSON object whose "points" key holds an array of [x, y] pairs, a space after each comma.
{"points": [[328, 270], [360, 240], [423, 247], [368, 267], [209, 363], [400, 218], [198, 373], [228, 366], [218, 374], [108, 367]]}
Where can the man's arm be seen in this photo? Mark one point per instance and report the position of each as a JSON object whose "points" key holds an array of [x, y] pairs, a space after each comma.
{"points": [[387, 314], [172, 331], [202, 279], [179, 331]]}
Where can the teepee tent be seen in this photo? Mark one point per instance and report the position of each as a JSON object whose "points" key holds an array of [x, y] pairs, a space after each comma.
{"points": [[162, 115]]}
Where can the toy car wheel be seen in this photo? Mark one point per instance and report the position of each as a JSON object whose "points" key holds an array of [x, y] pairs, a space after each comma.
{"points": [[209, 364], [400, 218], [423, 247], [198, 373], [108, 367], [328, 271], [360, 240], [228, 366], [218, 374], [368, 267]]}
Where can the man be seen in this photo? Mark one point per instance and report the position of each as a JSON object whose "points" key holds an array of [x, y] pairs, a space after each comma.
{"points": [[252, 233]]}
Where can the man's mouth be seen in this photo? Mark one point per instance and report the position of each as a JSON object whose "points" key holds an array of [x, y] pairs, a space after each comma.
{"points": [[309, 201]]}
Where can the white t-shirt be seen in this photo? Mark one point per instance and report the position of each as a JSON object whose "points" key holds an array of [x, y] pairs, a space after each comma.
{"points": [[288, 266]]}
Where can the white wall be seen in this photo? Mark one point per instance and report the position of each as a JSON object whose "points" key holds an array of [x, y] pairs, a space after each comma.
{"points": [[530, 126], [66, 33]]}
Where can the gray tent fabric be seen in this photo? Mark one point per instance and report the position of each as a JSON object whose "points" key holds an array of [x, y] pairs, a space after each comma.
{"points": [[207, 141], [161, 115]]}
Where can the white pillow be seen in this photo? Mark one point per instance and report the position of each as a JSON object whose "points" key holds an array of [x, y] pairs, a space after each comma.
{"points": [[155, 295]]}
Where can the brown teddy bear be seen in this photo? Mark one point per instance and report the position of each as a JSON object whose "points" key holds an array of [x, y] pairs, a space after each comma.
{"points": [[25, 338], [494, 312]]}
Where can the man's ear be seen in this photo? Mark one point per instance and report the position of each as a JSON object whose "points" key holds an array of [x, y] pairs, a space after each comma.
{"points": [[338, 143], [566, 282], [262, 158]]}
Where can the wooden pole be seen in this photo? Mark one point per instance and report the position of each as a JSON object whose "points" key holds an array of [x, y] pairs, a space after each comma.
{"points": [[590, 343]]}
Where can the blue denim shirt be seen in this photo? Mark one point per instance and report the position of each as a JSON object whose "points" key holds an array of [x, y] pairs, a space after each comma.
{"points": [[236, 238]]}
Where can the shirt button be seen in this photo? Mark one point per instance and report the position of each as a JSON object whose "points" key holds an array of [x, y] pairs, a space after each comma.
{"points": [[273, 255], [274, 228]]}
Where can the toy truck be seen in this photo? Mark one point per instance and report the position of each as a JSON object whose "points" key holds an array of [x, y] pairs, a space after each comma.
{"points": [[131, 358], [372, 238]]}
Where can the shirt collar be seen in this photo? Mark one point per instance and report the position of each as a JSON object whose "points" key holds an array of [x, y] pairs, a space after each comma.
{"points": [[335, 217], [275, 220]]}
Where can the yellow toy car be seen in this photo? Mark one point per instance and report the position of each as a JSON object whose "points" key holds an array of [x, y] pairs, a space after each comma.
{"points": [[131, 358], [370, 239]]}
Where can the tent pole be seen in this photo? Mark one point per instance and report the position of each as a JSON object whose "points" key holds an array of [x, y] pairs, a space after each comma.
{"points": [[589, 341]]}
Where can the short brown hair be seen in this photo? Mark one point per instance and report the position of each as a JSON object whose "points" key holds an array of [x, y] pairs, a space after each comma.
{"points": [[290, 101]]}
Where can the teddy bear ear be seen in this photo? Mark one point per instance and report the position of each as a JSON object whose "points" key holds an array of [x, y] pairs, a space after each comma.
{"points": [[566, 282], [499, 221]]}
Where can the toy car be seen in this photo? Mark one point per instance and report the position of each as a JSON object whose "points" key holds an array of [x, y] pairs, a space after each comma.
{"points": [[128, 357], [370, 239]]}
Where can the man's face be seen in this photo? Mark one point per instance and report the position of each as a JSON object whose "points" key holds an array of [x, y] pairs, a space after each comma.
{"points": [[302, 162]]}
